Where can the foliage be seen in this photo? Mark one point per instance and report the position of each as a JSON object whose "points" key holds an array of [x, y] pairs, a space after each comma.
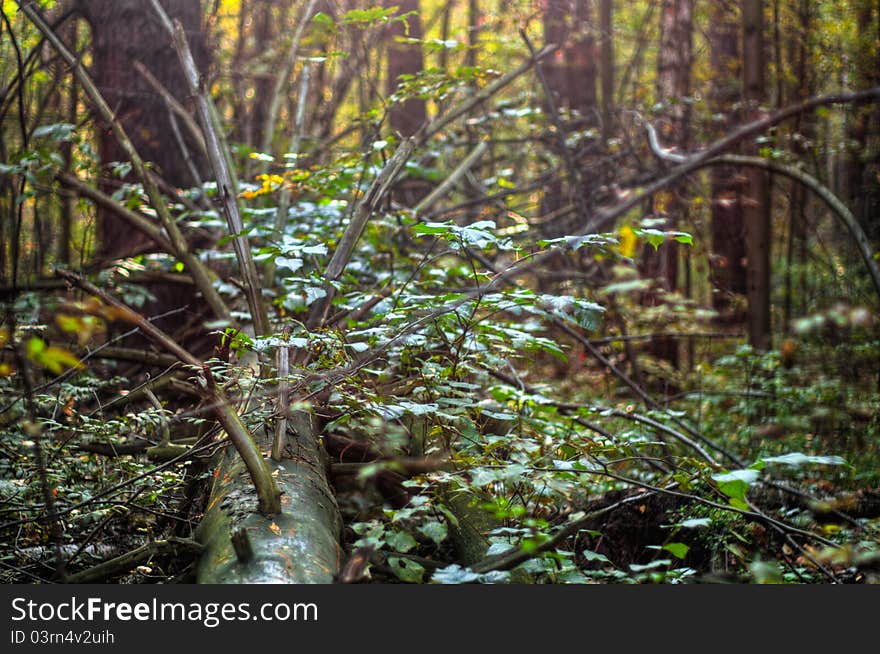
{"points": [[444, 345]]}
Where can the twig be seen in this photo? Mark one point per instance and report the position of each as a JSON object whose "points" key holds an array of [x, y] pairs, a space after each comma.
{"points": [[452, 179], [283, 355], [140, 222], [282, 78], [127, 561], [226, 183], [267, 490]]}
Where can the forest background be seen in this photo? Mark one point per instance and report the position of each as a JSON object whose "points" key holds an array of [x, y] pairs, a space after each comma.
{"points": [[452, 292]]}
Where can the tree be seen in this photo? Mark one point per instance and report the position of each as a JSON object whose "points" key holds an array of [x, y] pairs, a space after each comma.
{"points": [[727, 258], [756, 205], [405, 59], [674, 62], [125, 32], [571, 76]]}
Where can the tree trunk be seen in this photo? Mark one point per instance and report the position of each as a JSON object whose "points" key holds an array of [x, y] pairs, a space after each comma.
{"points": [[123, 32], [727, 259], [298, 546], [606, 26], [572, 75], [757, 205], [405, 59], [674, 64], [861, 184]]}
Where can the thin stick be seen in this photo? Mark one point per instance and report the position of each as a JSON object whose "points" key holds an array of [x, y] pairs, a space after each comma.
{"points": [[452, 179], [283, 355], [281, 80], [226, 183]]}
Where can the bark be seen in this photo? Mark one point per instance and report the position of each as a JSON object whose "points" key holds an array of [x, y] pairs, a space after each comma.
{"points": [[123, 32], [860, 183], [298, 546], [405, 59], [757, 204], [606, 26], [727, 259]]}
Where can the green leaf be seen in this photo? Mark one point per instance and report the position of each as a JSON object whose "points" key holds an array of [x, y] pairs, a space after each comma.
{"points": [[56, 131], [654, 236], [694, 523], [659, 563], [735, 485], [432, 228], [323, 19], [590, 555], [54, 359], [678, 550], [454, 574], [400, 541], [798, 459], [435, 530], [406, 570]]}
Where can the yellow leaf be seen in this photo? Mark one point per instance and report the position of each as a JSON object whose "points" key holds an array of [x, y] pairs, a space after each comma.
{"points": [[275, 529], [56, 359], [628, 241]]}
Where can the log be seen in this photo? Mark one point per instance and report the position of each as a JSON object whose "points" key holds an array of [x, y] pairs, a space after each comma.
{"points": [[298, 546]]}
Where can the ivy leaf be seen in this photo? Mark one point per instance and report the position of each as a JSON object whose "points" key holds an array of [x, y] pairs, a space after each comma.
{"points": [[314, 293], [291, 263], [435, 530], [56, 131], [590, 555], [400, 541], [654, 236], [406, 570], [454, 574]]}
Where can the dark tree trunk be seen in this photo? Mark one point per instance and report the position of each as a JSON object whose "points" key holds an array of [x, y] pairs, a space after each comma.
{"points": [[606, 26], [727, 259], [757, 205], [123, 32], [801, 88], [861, 183], [405, 59], [572, 76]]}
